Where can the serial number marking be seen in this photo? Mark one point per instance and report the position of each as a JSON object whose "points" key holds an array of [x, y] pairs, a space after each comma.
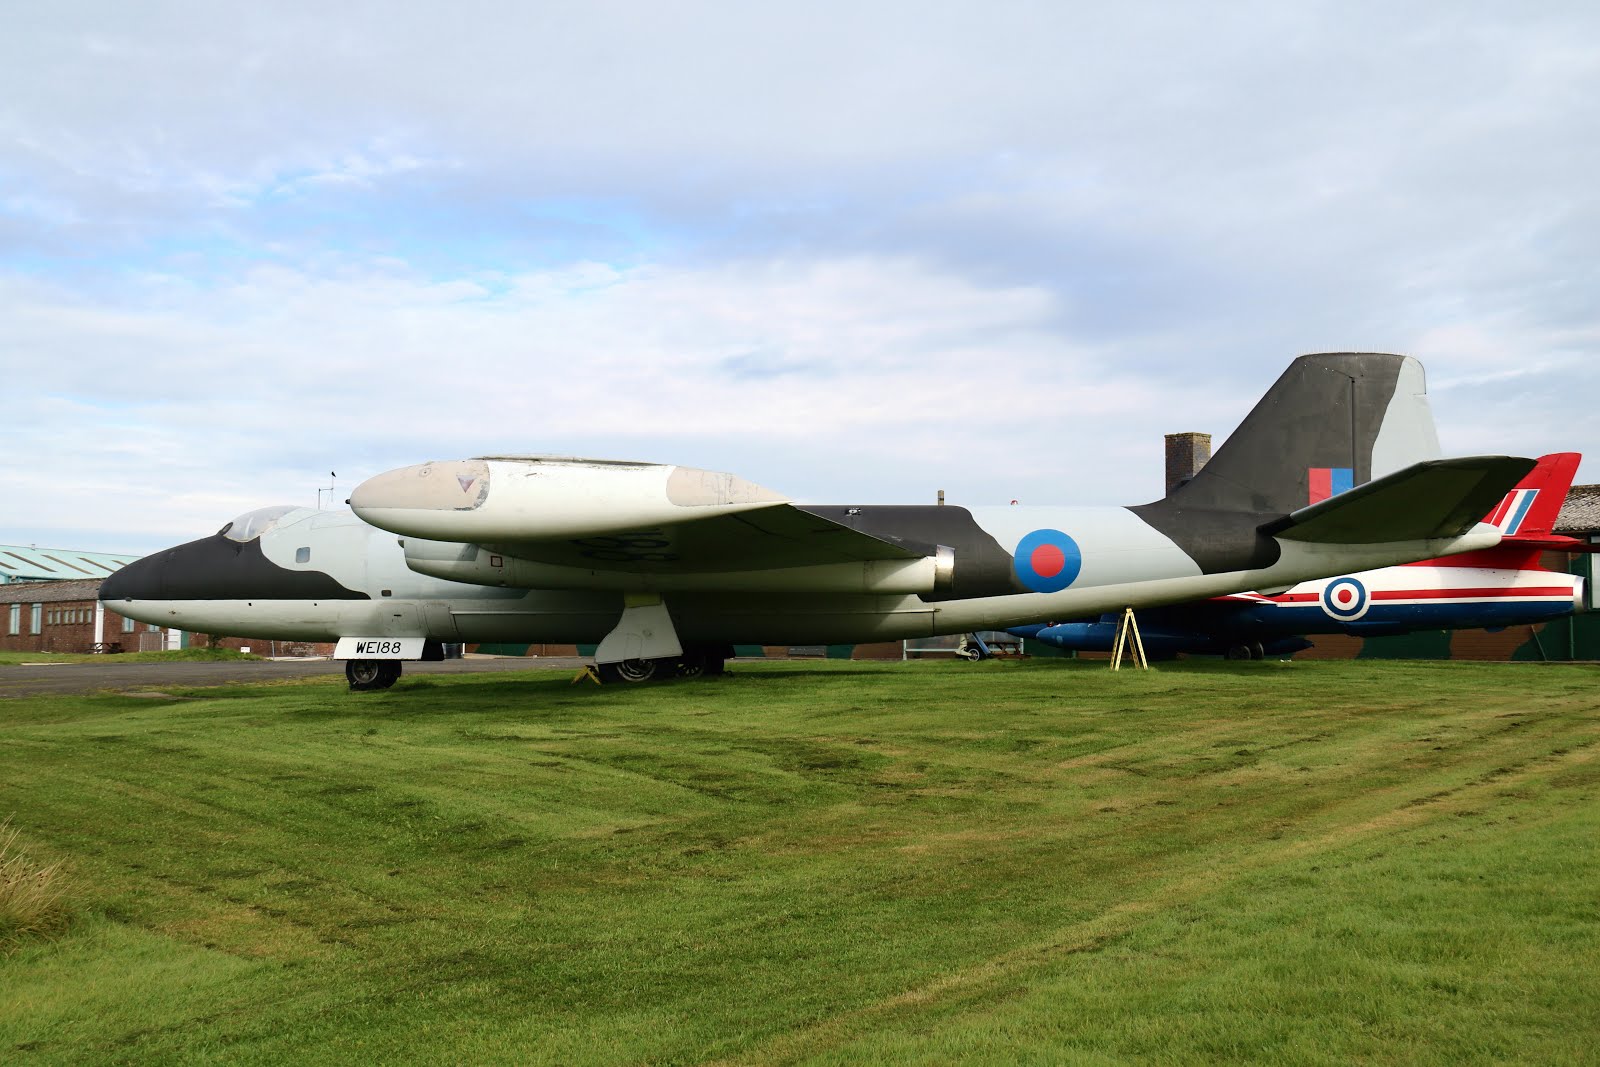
{"points": [[378, 648]]}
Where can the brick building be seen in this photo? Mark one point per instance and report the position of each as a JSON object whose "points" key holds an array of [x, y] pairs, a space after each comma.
{"points": [[67, 616]]}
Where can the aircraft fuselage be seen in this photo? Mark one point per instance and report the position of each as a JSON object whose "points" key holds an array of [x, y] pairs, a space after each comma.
{"points": [[325, 575]]}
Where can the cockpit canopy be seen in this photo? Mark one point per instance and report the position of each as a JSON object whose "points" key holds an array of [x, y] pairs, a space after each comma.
{"points": [[252, 524]]}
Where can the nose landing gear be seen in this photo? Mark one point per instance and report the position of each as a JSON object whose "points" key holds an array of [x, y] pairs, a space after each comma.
{"points": [[364, 674]]}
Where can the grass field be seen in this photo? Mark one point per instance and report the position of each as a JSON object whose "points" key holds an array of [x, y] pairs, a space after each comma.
{"points": [[1015, 862]]}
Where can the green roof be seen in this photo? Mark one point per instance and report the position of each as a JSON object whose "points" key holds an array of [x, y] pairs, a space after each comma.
{"points": [[30, 563]]}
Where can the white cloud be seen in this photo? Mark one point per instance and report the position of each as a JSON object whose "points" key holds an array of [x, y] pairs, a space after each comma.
{"points": [[841, 249], [856, 375]]}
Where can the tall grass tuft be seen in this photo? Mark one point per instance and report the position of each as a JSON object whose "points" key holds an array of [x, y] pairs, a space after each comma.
{"points": [[30, 895]]}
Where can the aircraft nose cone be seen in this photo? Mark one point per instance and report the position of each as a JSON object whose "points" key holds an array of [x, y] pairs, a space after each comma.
{"points": [[139, 580], [454, 485]]}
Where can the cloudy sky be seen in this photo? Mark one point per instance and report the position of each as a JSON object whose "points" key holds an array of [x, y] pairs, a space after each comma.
{"points": [[856, 252]]}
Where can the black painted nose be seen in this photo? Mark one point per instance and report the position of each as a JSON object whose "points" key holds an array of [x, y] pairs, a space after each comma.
{"points": [[200, 570], [139, 580]]}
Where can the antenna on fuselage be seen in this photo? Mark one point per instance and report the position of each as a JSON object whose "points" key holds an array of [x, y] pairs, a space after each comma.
{"points": [[332, 477]]}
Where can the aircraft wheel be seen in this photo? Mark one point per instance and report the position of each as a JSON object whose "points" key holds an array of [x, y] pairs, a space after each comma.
{"points": [[366, 674], [702, 661], [628, 670], [1237, 652], [1256, 651]]}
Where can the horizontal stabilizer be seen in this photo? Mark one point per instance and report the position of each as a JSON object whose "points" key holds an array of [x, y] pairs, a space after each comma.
{"points": [[1436, 499]]}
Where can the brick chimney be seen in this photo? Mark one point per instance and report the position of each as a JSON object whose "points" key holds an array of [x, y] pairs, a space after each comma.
{"points": [[1186, 454]]}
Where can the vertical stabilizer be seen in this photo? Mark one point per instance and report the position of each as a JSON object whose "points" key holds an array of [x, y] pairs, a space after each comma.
{"points": [[1530, 510], [1332, 421]]}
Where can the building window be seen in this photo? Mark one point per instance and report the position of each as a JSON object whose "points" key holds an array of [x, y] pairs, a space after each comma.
{"points": [[153, 627], [127, 625], [16, 618], [37, 619]]}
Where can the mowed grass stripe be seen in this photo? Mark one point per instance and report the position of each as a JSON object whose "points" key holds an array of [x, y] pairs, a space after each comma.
{"points": [[840, 861], [1183, 885]]}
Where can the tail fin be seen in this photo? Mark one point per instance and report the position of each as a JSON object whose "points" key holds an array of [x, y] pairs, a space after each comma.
{"points": [[1332, 421], [1529, 511], [1526, 517]]}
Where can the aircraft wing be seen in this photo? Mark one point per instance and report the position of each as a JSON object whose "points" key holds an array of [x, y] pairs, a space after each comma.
{"points": [[1436, 499], [779, 535]]}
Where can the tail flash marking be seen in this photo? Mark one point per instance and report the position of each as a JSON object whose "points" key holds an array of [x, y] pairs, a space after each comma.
{"points": [[1509, 515], [1329, 482]]}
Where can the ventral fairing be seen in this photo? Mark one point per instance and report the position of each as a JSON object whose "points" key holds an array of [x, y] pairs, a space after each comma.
{"points": [[666, 567]]}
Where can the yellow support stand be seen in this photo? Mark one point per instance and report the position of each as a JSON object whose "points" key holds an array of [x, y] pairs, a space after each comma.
{"points": [[1134, 646], [590, 672]]}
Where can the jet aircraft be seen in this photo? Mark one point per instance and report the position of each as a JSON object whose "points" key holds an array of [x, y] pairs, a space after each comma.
{"points": [[1489, 588], [667, 567]]}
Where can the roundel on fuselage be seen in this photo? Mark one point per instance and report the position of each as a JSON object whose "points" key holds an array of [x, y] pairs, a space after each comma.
{"points": [[1047, 561], [1344, 599]]}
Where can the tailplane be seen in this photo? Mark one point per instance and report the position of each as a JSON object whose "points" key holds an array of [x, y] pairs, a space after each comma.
{"points": [[1526, 518]]}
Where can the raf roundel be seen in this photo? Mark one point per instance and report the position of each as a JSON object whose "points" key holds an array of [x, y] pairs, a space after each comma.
{"points": [[1344, 599], [1047, 561]]}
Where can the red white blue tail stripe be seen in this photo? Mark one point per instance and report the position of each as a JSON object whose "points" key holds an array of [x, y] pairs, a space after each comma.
{"points": [[1509, 516]]}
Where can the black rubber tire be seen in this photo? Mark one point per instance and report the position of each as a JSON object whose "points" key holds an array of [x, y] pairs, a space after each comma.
{"points": [[1237, 652], [368, 674], [702, 661], [630, 670]]}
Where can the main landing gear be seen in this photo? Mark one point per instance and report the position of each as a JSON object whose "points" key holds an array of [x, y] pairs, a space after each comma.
{"points": [[644, 646], [696, 662], [365, 674], [1253, 650]]}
